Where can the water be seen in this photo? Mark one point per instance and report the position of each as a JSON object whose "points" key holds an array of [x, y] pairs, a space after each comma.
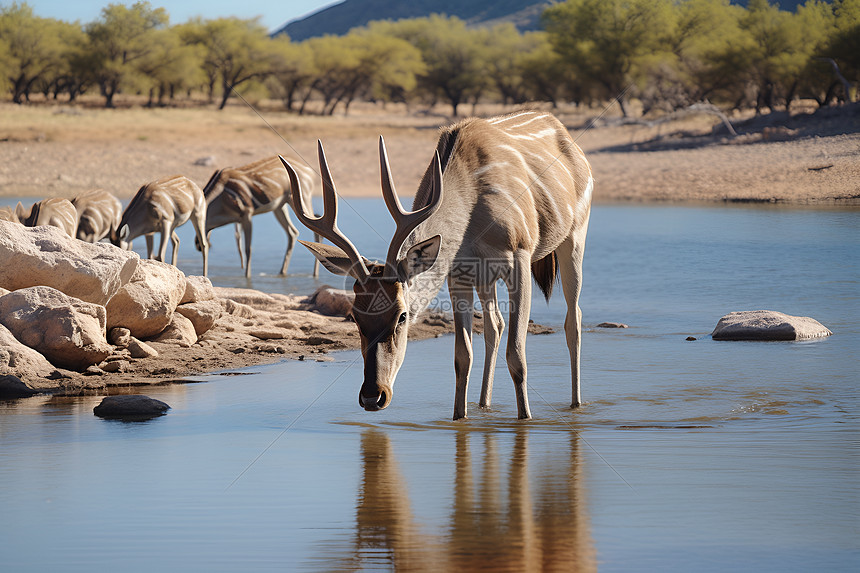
{"points": [[688, 456]]}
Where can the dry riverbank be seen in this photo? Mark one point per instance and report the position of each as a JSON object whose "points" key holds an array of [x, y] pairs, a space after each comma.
{"points": [[804, 159]]}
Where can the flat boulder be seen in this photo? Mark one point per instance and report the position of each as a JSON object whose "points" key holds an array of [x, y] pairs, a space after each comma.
{"points": [[130, 407], [47, 256], [69, 332], [145, 304], [138, 349], [767, 325]]}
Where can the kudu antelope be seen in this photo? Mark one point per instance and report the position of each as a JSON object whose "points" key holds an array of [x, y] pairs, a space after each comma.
{"points": [[235, 195], [99, 214], [501, 197], [162, 206], [56, 211]]}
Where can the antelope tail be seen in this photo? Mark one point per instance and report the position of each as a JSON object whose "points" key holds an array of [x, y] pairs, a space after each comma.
{"points": [[545, 273]]}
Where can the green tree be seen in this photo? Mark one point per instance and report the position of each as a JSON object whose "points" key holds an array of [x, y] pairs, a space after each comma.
{"points": [[607, 41], [293, 71], [388, 66], [778, 52], [455, 57], [545, 75], [336, 64], [67, 77], [172, 66], [32, 47], [506, 50], [709, 56], [234, 52], [121, 41], [843, 45]]}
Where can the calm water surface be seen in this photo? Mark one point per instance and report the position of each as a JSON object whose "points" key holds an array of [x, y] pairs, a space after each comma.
{"points": [[688, 456]]}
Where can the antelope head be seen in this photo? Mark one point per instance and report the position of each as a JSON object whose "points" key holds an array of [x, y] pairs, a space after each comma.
{"points": [[381, 309]]}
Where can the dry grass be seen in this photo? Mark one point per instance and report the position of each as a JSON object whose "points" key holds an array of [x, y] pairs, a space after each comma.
{"points": [[58, 150]]}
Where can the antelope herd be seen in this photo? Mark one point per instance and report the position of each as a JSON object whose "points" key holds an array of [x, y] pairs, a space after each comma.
{"points": [[232, 195], [505, 198]]}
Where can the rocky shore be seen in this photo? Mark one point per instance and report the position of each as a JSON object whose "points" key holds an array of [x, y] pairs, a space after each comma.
{"points": [[77, 317]]}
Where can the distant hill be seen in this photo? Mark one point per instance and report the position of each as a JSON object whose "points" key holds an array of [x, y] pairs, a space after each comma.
{"points": [[341, 18]]}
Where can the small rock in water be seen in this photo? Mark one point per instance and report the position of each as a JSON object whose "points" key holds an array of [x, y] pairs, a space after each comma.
{"points": [[690, 338], [612, 325], [130, 408], [767, 325], [12, 387]]}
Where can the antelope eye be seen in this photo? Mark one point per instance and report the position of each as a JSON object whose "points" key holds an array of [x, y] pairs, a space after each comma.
{"points": [[402, 318]]}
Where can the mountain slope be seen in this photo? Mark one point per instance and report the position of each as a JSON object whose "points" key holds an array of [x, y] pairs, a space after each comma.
{"points": [[340, 18]]}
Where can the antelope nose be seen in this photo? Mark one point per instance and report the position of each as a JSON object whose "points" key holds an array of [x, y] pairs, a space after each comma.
{"points": [[373, 402]]}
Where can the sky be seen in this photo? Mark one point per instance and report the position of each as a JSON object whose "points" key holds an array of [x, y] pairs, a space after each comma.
{"points": [[273, 13]]}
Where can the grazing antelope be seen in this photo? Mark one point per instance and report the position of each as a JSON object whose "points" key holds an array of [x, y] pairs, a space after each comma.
{"points": [[517, 197], [235, 195], [99, 214], [56, 211], [162, 206]]}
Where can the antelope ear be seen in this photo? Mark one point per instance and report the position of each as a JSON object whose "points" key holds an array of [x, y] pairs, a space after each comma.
{"points": [[124, 232], [419, 258], [333, 258]]}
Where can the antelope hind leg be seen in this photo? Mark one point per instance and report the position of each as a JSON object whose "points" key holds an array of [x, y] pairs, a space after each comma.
{"points": [[494, 325]]}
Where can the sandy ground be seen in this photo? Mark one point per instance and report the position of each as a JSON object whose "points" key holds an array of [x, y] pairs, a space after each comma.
{"points": [[53, 150]]}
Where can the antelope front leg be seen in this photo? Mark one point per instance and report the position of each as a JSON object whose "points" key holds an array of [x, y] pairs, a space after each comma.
{"points": [[162, 246], [174, 240], [247, 229], [462, 300], [494, 324], [520, 292], [238, 235], [570, 254], [317, 238], [150, 240], [292, 234], [199, 222]]}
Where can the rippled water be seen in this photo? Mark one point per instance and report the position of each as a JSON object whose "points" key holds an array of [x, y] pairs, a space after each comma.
{"points": [[688, 456]]}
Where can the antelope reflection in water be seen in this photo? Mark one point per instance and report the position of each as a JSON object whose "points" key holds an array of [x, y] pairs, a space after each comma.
{"points": [[509, 513]]}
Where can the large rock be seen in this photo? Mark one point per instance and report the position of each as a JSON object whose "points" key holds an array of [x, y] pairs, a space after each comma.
{"points": [[145, 305], [20, 360], [767, 325], [197, 289], [202, 314], [69, 332], [180, 331], [33, 256]]}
